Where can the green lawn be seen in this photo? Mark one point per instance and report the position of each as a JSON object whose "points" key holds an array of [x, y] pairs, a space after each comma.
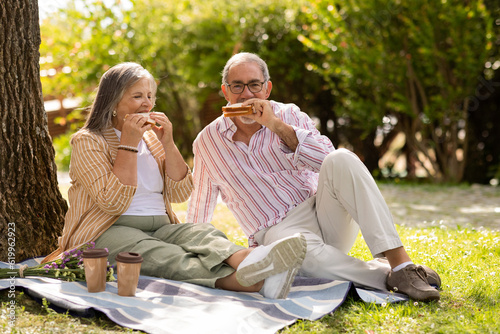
{"points": [[468, 260]]}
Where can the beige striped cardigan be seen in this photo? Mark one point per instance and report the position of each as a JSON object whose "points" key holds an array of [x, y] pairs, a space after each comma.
{"points": [[96, 196]]}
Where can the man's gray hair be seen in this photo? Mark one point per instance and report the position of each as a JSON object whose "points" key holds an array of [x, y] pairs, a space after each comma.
{"points": [[241, 58], [112, 86]]}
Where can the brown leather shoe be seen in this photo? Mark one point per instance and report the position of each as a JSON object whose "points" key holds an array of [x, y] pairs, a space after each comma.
{"points": [[432, 277], [412, 281]]}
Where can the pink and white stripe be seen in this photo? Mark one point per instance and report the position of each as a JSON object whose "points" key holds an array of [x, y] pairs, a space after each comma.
{"points": [[260, 182]]}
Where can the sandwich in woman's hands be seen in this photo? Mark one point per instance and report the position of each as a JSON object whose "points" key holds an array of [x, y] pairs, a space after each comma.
{"points": [[237, 109], [150, 121]]}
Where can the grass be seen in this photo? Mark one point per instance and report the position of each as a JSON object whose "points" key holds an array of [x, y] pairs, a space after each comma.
{"points": [[468, 260]]}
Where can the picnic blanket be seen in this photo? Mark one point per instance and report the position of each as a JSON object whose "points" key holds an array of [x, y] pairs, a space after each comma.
{"points": [[166, 306]]}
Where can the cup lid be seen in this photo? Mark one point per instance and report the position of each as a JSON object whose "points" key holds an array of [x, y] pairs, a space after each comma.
{"points": [[128, 257], [95, 253]]}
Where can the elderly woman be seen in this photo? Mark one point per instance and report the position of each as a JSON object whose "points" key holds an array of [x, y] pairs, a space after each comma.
{"points": [[125, 172]]}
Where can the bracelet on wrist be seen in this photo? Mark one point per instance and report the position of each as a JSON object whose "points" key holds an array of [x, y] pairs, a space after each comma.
{"points": [[128, 148]]}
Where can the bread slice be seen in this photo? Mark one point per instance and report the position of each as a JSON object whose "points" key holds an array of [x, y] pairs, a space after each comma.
{"points": [[237, 109], [149, 120]]}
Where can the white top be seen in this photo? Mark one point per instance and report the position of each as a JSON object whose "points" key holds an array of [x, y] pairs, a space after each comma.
{"points": [[148, 198]]}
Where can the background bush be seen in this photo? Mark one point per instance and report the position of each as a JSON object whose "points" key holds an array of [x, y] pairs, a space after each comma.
{"points": [[369, 72]]}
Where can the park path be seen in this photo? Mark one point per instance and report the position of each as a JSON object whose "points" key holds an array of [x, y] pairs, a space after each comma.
{"points": [[431, 205], [452, 206]]}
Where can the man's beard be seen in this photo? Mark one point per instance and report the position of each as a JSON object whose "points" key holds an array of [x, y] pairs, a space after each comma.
{"points": [[246, 120]]}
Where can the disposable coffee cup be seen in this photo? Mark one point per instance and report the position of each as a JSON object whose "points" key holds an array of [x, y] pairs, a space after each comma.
{"points": [[95, 262], [128, 267]]}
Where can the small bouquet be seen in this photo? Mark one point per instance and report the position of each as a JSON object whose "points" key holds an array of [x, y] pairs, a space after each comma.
{"points": [[68, 268]]}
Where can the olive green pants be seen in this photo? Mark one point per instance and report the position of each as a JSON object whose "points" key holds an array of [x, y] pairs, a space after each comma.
{"points": [[188, 252]]}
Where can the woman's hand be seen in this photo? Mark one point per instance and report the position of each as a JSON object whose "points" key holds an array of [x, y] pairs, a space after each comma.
{"points": [[175, 167], [165, 131], [125, 165], [133, 129]]}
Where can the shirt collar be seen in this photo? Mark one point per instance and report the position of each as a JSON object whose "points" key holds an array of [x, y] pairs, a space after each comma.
{"points": [[227, 124]]}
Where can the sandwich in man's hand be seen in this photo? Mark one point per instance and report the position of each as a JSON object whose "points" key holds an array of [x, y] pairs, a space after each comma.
{"points": [[237, 109]]}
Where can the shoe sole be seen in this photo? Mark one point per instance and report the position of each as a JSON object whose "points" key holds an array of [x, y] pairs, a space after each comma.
{"points": [[286, 255], [285, 289], [430, 296]]}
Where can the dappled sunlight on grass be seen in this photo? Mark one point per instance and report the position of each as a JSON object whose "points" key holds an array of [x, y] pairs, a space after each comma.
{"points": [[223, 219], [467, 261], [480, 209]]}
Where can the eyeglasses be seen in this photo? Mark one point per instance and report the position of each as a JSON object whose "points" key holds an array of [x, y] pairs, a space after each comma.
{"points": [[253, 87]]}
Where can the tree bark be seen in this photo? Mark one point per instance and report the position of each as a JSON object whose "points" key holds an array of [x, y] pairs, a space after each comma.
{"points": [[30, 201]]}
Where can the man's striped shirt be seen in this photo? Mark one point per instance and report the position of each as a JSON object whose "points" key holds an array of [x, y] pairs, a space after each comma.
{"points": [[260, 182]]}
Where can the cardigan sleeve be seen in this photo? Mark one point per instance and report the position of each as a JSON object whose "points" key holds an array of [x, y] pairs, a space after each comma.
{"points": [[180, 191], [92, 167]]}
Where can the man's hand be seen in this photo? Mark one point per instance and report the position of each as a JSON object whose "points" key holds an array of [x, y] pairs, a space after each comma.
{"points": [[264, 115]]}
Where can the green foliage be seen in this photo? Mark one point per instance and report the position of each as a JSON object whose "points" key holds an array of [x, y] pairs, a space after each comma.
{"points": [[361, 67], [79, 43], [184, 44], [413, 61], [63, 151]]}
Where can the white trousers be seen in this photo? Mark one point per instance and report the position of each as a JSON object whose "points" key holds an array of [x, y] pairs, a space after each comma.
{"points": [[347, 200]]}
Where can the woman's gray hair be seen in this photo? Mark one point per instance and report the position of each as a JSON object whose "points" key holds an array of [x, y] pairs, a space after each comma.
{"points": [[113, 84], [241, 58]]}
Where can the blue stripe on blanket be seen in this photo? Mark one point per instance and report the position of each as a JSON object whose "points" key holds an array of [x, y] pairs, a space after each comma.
{"points": [[165, 306]]}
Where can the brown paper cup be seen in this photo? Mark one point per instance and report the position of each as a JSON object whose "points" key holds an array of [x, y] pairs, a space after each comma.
{"points": [[128, 267], [95, 262]]}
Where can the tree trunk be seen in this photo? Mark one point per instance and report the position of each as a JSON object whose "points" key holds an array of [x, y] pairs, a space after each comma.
{"points": [[30, 201]]}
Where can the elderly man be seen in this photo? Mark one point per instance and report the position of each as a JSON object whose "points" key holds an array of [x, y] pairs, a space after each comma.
{"points": [[279, 176]]}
